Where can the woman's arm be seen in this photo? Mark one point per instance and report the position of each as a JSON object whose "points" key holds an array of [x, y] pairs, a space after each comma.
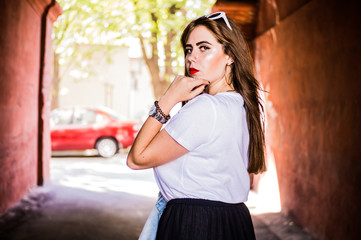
{"points": [[153, 147]]}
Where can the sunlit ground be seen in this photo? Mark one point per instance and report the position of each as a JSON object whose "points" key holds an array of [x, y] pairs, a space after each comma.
{"points": [[112, 175], [103, 175]]}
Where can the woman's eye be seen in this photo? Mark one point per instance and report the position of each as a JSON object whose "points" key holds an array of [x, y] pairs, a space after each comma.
{"points": [[204, 48], [189, 50]]}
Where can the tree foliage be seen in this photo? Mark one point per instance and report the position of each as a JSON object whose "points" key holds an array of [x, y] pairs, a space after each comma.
{"points": [[155, 24]]}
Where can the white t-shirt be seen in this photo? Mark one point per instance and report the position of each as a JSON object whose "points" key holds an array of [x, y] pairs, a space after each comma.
{"points": [[214, 130]]}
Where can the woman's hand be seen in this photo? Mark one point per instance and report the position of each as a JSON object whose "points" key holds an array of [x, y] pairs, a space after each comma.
{"points": [[148, 148], [181, 89]]}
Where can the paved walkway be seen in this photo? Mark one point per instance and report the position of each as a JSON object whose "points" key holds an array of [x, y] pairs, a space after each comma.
{"points": [[88, 199]]}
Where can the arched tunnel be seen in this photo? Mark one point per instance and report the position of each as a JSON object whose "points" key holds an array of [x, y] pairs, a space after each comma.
{"points": [[306, 57]]}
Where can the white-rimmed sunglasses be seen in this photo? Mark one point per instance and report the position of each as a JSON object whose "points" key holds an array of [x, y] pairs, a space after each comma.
{"points": [[218, 15]]}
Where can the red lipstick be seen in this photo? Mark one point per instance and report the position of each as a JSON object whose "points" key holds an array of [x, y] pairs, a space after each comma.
{"points": [[193, 71]]}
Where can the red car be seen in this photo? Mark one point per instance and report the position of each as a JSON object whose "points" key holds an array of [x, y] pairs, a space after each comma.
{"points": [[81, 128]]}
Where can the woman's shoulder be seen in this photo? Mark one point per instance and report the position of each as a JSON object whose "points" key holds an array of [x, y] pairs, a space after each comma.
{"points": [[216, 101], [221, 99], [201, 100], [201, 104], [229, 97]]}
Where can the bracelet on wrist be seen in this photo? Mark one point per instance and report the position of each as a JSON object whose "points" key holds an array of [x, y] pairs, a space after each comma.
{"points": [[167, 117], [158, 114]]}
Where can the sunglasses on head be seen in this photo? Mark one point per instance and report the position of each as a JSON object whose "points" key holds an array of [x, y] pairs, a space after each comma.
{"points": [[218, 15]]}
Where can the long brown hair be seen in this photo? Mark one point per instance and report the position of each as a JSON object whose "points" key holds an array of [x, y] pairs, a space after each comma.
{"points": [[243, 80]]}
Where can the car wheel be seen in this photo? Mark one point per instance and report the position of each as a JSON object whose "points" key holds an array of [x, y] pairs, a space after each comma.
{"points": [[107, 147]]}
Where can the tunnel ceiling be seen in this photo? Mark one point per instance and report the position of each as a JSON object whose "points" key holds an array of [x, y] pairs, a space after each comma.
{"points": [[243, 13]]}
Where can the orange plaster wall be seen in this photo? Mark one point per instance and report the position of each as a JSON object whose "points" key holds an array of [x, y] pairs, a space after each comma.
{"points": [[20, 33], [307, 57], [45, 105]]}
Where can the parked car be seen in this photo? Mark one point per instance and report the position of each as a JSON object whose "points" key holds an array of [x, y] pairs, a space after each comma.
{"points": [[82, 128]]}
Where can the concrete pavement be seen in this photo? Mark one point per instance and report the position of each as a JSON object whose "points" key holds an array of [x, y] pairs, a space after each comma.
{"points": [[100, 199]]}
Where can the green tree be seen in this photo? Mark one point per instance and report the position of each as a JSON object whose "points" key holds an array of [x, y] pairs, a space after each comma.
{"points": [[82, 22], [157, 24]]}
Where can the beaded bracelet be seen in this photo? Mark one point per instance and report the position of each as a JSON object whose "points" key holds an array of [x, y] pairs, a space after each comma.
{"points": [[167, 117]]}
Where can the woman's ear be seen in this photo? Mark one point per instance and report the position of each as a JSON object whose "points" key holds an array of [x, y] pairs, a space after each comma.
{"points": [[229, 60]]}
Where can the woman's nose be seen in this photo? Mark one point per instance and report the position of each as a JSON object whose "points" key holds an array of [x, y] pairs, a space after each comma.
{"points": [[193, 56]]}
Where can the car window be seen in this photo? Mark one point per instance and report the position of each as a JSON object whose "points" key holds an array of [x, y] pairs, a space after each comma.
{"points": [[84, 117], [60, 117], [113, 114], [100, 118]]}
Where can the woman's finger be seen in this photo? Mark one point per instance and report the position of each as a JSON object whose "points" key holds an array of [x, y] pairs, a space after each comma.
{"points": [[199, 81], [197, 90], [185, 88]]}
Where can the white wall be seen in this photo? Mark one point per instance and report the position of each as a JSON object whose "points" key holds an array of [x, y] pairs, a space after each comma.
{"points": [[111, 84]]}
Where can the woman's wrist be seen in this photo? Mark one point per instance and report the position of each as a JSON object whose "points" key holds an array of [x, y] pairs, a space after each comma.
{"points": [[166, 104]]}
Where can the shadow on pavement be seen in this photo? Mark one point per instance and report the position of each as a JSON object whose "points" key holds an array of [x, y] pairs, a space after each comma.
{"points": [[95, 198]]}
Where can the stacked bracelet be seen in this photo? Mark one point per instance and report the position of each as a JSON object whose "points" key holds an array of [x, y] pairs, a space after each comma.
{"points": [[167, 117], [158, 114]]}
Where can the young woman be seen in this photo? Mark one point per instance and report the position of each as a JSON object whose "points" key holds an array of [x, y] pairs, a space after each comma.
{"points": [[204, 156]]}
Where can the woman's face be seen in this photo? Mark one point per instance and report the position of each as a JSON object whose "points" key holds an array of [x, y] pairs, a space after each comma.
{"points": [[205, 57]]}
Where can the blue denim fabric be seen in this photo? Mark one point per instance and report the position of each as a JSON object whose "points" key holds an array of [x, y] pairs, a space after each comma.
{"points": [[149, 231]]}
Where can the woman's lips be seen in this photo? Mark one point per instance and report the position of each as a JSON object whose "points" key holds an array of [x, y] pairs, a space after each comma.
{"points": [[193, 71]]}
